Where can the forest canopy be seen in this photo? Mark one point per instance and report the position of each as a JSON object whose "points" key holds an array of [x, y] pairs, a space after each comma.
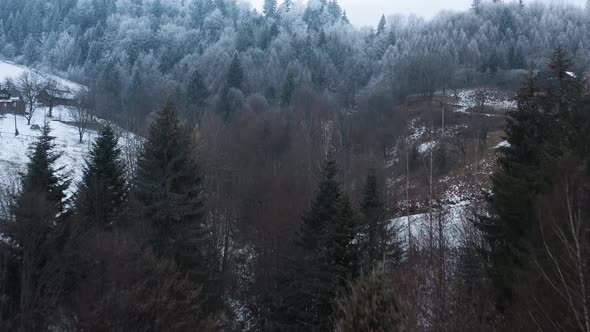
{"points": [[139, 52]]}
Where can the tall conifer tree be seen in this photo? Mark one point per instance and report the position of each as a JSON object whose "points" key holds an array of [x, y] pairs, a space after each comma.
{"points": [[329, 254], [235, 74], [381, 25], [269, 8], [168, 187], [538, 132], [102, 194], [378, 240], [40, 211], [342, 249], [197, 90]]}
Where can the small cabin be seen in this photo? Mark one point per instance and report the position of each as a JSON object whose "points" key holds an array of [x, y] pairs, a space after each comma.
{"points": [[11, 102], [56, 97]]}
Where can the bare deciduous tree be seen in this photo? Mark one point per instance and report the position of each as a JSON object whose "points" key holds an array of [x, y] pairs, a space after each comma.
{"points": [[29, 85], [482, 95], [563, 262], [52, 87], [81, 112]]}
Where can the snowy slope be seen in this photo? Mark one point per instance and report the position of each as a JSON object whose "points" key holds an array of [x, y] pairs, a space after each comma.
{"points": [[454, 219], [497, 100], [14, 149], [12, 71]]}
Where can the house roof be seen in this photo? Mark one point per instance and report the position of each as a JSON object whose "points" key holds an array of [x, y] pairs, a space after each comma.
{"points": [[14, 94], [61, 94]]}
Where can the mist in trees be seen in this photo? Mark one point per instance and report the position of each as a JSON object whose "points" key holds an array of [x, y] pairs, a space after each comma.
{"points": [[264, 189], [150, 49]]}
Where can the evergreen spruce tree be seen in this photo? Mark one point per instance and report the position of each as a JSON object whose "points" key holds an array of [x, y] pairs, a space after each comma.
{"points": [[322, 39], [565, 101], [381, 25], [269, 8], [560, 64], [197, 91], [538, 131], [235, 74], [329, 256], [325, 208], [476, 6], [168, 186], [40, 211], [43, 177], [334, 9], [378, 241], [287, 4], [342, 250], [102, 194], [288, 88], [512, 195], [345, 18]]}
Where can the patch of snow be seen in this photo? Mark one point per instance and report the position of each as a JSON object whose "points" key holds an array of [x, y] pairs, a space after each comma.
{"points": [[453, 219], [10, 70], [14, 149], [426, 147], [503, 144], [415, 132], [392, 156], [495, 100]]}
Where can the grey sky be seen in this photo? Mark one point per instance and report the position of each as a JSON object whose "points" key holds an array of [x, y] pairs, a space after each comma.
{"points": [[368, 12]]}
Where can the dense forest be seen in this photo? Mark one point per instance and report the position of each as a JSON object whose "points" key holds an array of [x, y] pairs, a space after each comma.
{"points": [[220, 54], [277, 158]]}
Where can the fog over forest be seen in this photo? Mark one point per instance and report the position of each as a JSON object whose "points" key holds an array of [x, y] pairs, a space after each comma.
{"points": [[368, 12], [331, 165]]}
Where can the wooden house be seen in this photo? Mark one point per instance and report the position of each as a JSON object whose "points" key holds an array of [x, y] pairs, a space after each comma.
{"points": [[56, 97], [11, 102]]}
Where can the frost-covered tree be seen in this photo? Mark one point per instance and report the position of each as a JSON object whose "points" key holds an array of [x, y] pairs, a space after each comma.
{"points": [[235, 73], [105, 40], [29, 85], [269, 8], [381, 25], [197, 91]]}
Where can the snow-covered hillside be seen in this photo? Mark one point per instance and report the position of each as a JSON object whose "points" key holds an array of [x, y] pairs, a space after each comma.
{"points": [[496, 100], [460, 189], [11, 70], [14, 149]]}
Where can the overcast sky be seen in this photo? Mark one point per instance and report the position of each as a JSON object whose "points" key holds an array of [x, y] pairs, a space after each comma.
{"points": [[368, 12]]}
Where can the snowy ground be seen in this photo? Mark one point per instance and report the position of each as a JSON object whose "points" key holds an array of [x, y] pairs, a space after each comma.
{"points": [[503, 144], [14, 149], [453, 218], [499, 101], [11, 70]]}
